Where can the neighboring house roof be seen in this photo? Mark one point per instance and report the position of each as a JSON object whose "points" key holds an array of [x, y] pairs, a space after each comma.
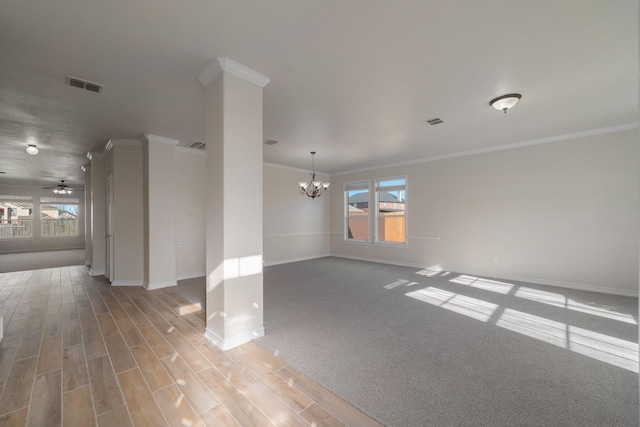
{"points": [[364, 198]]}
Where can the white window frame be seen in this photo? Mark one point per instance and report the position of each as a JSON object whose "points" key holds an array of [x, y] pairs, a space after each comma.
{"points": [[377, 240], [352, 186], [75, 201], [19, 199]]}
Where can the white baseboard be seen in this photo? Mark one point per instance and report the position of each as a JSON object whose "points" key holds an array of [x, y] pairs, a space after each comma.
{"points": [[287, 261], [93, 272], [192, 275], [233, 342], [126, 283], [568, 285], [532, 280], [159, 285], [379, 261]]}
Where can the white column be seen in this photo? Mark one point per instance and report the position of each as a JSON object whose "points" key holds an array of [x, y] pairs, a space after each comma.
{"points": [[87, 214], [234, 202], [124, 161], [98, 206], [160, 211]]}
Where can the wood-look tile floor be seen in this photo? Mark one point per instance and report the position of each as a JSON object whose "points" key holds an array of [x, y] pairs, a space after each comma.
{"points": [[79, 352]]}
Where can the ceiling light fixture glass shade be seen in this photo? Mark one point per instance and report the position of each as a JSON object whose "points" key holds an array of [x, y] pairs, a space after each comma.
{"points": [[32, 149], [314, 188], [504, 102], [62, 189]]}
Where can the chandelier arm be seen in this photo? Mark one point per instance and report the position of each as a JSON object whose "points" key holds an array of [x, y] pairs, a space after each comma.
{"points": [[310, 189]]}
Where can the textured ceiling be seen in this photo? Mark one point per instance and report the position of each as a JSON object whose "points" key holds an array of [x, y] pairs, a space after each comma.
{"points": [[354, 80]]}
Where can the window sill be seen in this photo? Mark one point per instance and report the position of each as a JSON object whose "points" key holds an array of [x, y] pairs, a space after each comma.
{"points": [[392, 245], [357, 242]]}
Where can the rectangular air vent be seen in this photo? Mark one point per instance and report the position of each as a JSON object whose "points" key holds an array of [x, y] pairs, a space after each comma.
{"points": [[83, 84], [270, 142], [198, 145], [435, 121]]}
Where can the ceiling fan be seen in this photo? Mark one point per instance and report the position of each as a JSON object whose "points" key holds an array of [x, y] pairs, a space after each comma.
{"points": [[62, 188]]}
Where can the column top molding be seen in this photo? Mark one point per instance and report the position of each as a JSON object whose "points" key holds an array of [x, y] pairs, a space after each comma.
{"points": [[196, 151], [113, 142], [219, 65], [160, 139], [93, 154]]}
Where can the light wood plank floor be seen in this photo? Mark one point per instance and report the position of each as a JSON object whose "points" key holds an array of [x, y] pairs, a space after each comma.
{"points": [[79, 352]]}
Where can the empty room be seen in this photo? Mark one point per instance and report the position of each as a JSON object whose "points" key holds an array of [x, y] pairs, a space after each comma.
{"points": [[361, 213]]}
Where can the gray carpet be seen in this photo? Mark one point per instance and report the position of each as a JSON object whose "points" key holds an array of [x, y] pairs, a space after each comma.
{"points": [[414, 350]]}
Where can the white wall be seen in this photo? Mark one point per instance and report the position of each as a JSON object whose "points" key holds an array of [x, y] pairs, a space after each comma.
{"points": [[562, 213], [37, 242], [296, 227], [87, 215], [159, 211], [190, 212], [98, 215], [127, 230]]}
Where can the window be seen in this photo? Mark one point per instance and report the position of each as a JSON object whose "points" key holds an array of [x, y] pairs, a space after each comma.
{"points": [[59, 217], [391, 210], [356, 195], [15, 217]]}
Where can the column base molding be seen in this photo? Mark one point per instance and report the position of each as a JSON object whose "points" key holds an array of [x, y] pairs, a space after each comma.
{"points": [[126, 283], [94, 272], [227, 344], [159, 285]]}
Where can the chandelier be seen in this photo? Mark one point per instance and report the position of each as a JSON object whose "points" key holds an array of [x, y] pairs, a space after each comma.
{"points": [[313, 188]]}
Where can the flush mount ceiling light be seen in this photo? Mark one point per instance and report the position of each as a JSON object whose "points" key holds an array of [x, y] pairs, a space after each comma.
{"points": [[504, 102], [313, 188], [32, 149]]}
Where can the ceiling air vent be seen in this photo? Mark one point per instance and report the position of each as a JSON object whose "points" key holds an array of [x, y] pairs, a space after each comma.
{"points": [[198, 145], [270, 142], [83, 84], [435, 121]]}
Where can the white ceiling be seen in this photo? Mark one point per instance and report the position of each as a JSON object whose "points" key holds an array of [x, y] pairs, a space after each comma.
{"points": [[353, 80]]}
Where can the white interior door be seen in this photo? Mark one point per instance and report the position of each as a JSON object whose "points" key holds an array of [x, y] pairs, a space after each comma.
{"points": [[109, 238]]}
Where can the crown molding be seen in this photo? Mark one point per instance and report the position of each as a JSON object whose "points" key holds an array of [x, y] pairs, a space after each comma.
{"points": [[188, 150], [291, 168], [94, 154], [115, 142], [160, 139], [556, 138], [221, 64]]}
